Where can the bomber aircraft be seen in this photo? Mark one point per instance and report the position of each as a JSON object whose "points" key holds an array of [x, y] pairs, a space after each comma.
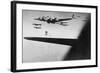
{"points": [[54, 20]]}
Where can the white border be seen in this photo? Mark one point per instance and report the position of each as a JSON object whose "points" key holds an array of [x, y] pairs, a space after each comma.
{"points": [[21, 65]]}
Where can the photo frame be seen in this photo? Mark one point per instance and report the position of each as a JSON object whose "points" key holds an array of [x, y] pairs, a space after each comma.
{"points": [[49, 36]]}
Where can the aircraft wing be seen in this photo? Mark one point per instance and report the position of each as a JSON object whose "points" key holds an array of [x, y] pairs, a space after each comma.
{"points": [[53, 40], [38, 19]]}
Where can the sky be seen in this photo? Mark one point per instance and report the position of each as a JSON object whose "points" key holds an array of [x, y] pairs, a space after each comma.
{"points": [[54, 30]]}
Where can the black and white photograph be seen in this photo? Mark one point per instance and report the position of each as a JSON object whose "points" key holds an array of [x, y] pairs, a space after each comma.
{"points": [[47, 36], [55, 36]]}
